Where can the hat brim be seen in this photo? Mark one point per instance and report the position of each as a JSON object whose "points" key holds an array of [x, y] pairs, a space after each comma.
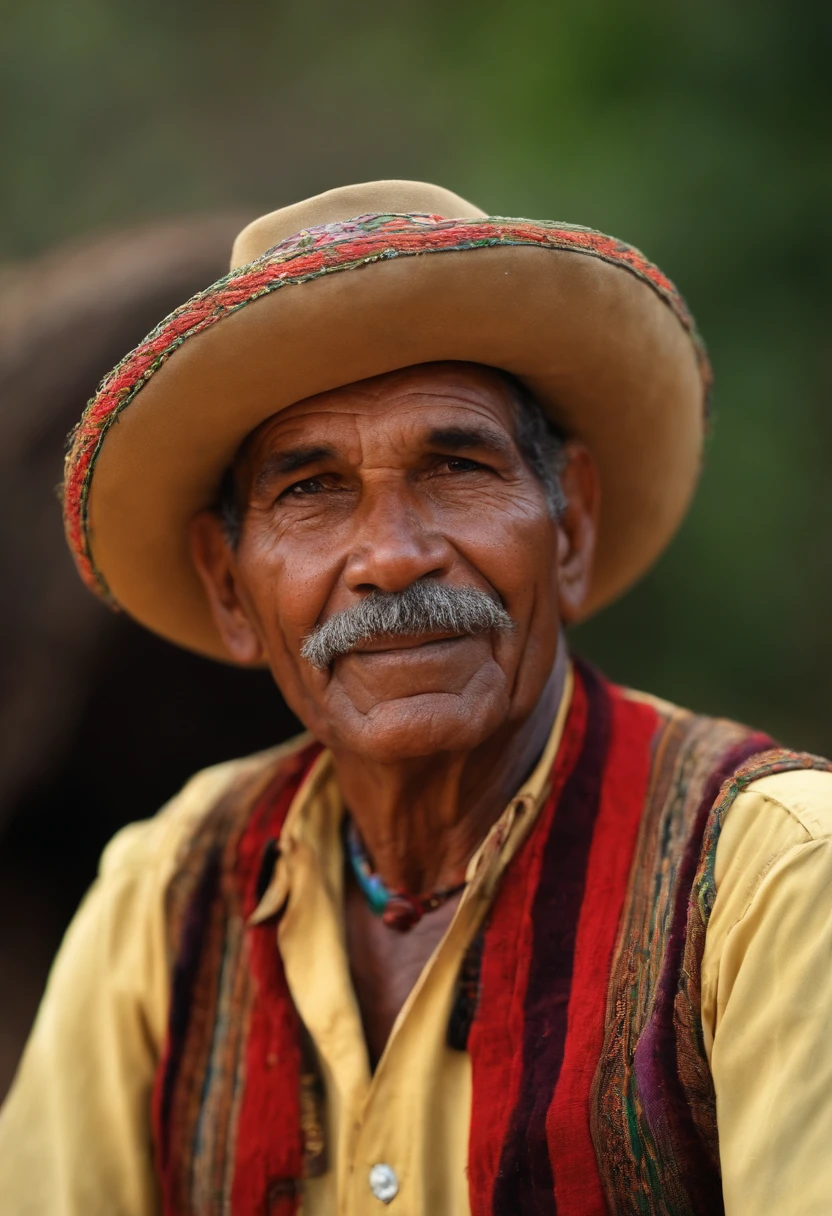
{"points": [[596, 331]]}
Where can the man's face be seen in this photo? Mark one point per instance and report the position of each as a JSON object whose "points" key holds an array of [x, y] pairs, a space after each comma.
{"points": [[412, 475]]}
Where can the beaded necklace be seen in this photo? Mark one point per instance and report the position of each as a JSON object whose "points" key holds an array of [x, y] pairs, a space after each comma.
{"points": [[398, 909]]}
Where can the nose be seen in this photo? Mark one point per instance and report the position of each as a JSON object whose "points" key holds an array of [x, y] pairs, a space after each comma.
{"points": [[394, 544]]}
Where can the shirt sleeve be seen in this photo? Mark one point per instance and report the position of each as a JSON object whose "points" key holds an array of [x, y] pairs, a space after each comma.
{"points": [[769, 976], [75, 1130]]}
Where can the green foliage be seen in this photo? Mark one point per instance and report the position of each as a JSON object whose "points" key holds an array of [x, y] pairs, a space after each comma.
{"points": [[697, 132]]}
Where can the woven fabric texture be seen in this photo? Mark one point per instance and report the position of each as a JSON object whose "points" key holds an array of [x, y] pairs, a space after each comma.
{"points": [[582, 1018]]}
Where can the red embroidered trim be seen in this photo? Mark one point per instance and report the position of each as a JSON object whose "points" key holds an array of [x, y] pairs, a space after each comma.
{"points": [[324, 249]]}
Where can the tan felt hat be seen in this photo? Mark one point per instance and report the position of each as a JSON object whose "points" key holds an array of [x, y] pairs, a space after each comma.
{"points": [[356, 282]]}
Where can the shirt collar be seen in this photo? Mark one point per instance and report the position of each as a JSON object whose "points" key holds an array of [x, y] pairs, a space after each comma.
{"points": [[317, 802]]}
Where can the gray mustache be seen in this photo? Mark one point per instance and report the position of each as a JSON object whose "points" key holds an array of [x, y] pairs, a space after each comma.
{"points": [[424, 607]]}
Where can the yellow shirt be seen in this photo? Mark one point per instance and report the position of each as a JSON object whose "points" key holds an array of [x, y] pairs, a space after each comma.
{"points": [[75, 1134]]}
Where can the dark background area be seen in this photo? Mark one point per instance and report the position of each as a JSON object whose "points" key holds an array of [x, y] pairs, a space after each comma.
{"points": [[139, 137]]}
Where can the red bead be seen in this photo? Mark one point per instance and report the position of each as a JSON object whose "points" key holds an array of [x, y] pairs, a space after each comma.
{"points": [[401, 914]]}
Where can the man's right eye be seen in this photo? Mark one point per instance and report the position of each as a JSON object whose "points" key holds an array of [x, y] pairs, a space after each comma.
{"points": [[310, 485]]}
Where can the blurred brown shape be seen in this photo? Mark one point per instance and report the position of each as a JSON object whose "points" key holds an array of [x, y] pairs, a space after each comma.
{"points": [[99, 721], [64, 319]]}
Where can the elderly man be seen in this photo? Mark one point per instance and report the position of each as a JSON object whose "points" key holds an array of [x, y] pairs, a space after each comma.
{"points": [[494, 935]]}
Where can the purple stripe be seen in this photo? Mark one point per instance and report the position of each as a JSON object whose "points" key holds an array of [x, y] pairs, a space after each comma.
{"points": [[524, 1182]]}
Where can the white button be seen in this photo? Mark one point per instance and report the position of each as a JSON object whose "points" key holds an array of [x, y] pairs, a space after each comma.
{"points": [[383, 1182]]}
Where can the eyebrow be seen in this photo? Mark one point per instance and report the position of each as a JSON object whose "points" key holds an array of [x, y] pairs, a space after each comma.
{"points": [[454, 438], [279, 464], [463, 438]]}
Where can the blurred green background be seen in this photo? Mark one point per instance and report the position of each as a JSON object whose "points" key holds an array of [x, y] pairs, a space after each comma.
{"points": [[700, 133]]}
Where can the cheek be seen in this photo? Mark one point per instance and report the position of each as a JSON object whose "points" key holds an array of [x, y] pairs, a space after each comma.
{"points": [[285, 590], [287, 586], [515, 548], [516, 551]]}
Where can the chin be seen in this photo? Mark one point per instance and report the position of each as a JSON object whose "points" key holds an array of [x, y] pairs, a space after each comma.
{"points": [[421, 726]]}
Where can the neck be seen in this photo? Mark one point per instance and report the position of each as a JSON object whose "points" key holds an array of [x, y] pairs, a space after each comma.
{"points": [[423, 820]]}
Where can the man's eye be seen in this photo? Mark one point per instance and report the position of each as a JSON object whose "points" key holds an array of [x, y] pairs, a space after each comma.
{"points": [[458, 464], [310, 485]]}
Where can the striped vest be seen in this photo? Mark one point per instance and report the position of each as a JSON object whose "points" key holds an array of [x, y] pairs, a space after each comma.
{"points": [[579, 1001]]}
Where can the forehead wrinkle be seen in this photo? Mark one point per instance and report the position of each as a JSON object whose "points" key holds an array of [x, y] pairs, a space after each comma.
{"points": [[464, 396], [482, 388], [493, 409]]}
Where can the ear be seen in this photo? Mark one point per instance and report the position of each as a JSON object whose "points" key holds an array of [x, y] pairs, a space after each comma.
{"points": [[577, 529], [216, 565]]}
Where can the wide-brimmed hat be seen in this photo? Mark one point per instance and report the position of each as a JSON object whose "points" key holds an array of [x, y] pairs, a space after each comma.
{"points": [[364, 280]]}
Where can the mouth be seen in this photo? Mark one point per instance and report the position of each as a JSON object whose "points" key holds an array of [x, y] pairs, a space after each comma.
{"points": [[408, 643]]}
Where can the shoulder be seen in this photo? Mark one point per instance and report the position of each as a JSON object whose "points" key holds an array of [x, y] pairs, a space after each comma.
{"points": [[701, 733], [692, 754], [771, 800], [802, 797], [800, 792], [771, 821], [772, 869], [122, 929], [157, 844], [772, 890]]}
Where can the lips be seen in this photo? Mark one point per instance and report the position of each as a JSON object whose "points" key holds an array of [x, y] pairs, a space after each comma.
{"points": [[406, 642]]}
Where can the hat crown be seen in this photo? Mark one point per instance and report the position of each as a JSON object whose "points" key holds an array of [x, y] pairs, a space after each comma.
{"points": [[346, 203]]}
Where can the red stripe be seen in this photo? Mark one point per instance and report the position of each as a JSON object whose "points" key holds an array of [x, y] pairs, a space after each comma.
{"points": [[578, 1187], [525, 1183], [496, 1039]]}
